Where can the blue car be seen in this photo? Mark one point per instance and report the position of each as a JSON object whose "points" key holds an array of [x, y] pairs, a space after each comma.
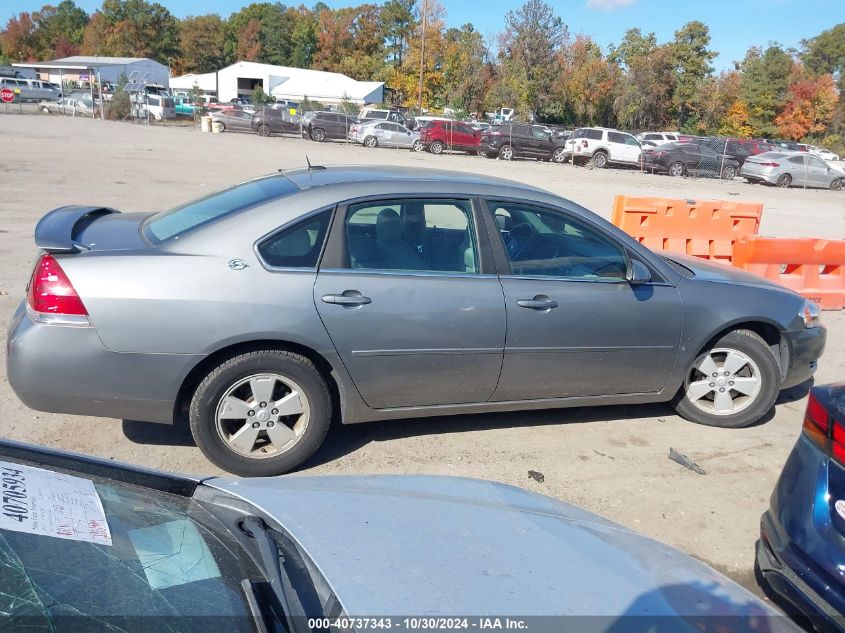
{"points": [[801, 551]]}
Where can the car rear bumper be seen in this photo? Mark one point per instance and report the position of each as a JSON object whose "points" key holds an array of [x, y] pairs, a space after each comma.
{"points": [[61, 369], [805, 348], [801, 552]]}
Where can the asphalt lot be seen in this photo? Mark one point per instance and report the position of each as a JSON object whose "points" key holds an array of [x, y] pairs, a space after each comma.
{"points": [[611, 460]]}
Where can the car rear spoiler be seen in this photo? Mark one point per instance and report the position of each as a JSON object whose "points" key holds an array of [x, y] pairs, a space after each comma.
{"points": [[57, 231]]}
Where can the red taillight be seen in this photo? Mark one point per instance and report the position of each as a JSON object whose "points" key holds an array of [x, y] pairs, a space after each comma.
{"points": [[50, 291], [817, 424]]}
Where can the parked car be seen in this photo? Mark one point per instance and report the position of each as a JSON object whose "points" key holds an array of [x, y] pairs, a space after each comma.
{"points": [[801, 551], [379, 114], [67, 105], [31, 89], [233, 120], [267, 121], [658, 138], [793, 169], [183, 105], [385, 134], [822, 153], [242, 312], [603, 147], [690, 159], [520, 140], [437, 136], [161, 107], [327, 125], [284, 554]]}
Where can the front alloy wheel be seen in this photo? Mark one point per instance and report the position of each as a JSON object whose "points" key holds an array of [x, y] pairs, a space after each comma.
{"points": [[676, 169], [261, 413], [732, 383], [506, 152]]}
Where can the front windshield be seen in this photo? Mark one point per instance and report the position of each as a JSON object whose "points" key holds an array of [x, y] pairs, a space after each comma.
{"points": [[171, 567]]}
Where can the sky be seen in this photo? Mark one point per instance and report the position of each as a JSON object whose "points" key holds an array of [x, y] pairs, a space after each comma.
{"points": [[734, 24]]}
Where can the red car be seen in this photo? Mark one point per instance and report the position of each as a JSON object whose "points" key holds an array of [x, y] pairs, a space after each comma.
{"points": [[439, 135]]}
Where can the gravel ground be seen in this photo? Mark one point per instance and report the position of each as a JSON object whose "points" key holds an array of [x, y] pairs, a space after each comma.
{"points": [[610, 460]]}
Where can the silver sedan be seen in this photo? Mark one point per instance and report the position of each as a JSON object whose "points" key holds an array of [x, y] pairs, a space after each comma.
{"points": [[385, 134], [792, 169]]}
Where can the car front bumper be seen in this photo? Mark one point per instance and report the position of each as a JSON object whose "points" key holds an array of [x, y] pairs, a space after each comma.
{"points": [[65, 369], [805, 348]]}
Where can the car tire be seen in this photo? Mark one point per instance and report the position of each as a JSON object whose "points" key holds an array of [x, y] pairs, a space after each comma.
{"points": [[436, 147], [263, 130], [418, 146], [45, 110], [600, 160], [559, 155], [506, 152], [371, 141], [729, 172], [837, 184], [744, 356], [677, 169], [784, 180], [278, 373], [318, 135]]}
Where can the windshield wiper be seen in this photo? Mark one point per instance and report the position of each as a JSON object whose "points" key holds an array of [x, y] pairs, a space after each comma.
{"points": [[272, 561]]}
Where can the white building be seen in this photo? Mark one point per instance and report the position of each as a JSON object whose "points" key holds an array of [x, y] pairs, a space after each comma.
{"points": [[85, 68], [283, 83]]}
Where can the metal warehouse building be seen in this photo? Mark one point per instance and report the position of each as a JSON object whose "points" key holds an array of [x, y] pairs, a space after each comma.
{"points": [[282, 82], [85, 68]]}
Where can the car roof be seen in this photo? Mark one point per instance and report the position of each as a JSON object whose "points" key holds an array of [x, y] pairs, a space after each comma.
{"points": [[309, 178]]}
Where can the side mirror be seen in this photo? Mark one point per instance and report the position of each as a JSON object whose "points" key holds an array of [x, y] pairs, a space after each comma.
{"points": [[639, 273]]}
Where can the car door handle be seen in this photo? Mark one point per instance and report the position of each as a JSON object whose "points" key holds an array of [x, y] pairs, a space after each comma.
{"points": [[540, 302], [348, 298]]}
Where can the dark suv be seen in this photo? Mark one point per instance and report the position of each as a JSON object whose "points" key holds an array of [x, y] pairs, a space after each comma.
{"points": [[267, 121], [328, 125], [439, 135], [521, 140]]}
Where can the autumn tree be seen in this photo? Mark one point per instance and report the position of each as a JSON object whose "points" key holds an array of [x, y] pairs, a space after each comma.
{"points": [[349, 41], [132, 28], [464, 72], [59, 29], [691, 57], [584, 94], [809, 108], [248, 48], [19, 39], [270, 39], [765, 80], [528, 48], [201, 42]]}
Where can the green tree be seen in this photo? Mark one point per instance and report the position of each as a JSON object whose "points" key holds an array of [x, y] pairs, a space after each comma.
{"points": [[201, 42], [825, 54], [259, 97], [643, 93], [398, 25], [120, 105], [60, 29], [528, 48], [132, 28], [274, 33], [691, 57], [765, 80], [303, 37], [464, 62]]}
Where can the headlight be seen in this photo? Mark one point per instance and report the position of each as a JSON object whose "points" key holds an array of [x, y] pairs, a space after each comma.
{"points": [[811, 313]]}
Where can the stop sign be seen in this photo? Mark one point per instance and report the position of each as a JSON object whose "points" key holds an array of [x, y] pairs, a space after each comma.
{"points": [[7, 95]]}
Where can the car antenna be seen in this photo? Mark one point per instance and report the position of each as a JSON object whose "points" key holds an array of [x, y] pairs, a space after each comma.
{"points": [[312, 167]]}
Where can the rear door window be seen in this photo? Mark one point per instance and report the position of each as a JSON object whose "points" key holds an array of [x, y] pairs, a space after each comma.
{"points": [[595, 135]]}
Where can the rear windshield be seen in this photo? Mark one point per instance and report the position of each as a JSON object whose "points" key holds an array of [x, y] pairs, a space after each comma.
{"points": [[167, 224]]}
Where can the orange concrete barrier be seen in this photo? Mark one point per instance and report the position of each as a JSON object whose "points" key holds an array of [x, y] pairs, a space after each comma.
{"points": [[813, 267], [704, 228]]}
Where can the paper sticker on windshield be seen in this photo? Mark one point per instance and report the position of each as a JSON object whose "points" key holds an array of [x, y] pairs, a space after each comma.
{"points": [[43, 502], [840, 508]]}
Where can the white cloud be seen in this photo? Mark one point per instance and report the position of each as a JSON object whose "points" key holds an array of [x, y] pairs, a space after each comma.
{"points": [[608, 5]]}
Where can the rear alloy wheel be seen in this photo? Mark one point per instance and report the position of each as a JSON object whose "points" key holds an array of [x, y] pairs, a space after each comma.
{"points": [[506, 152], [600, 160], [559, 155], [784, 180], [676, 169], [263, 130], [261, 413], [318, 135], [837, 185], [436, 147], [732, 384], [371, 141]]}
